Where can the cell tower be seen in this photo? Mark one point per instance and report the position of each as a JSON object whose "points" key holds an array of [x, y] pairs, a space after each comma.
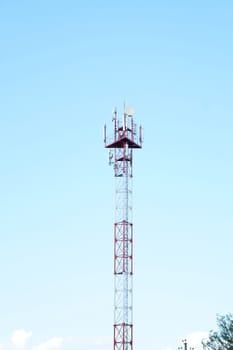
{"points": [[126, 137]]}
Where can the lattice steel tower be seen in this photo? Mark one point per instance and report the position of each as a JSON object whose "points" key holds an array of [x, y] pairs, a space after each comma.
{"points": [[126, 137]]}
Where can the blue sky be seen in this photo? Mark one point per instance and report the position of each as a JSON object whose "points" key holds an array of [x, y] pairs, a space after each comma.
{"points": [[64, 65]]}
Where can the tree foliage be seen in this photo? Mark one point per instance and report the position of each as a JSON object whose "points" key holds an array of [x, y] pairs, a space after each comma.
{"points": [[222, 339]]}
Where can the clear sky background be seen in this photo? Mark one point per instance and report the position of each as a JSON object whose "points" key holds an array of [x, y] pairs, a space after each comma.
{"points": [[63, 66]]}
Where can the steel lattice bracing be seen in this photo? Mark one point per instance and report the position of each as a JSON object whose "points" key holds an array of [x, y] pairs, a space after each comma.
{"points": [[121, 156]]}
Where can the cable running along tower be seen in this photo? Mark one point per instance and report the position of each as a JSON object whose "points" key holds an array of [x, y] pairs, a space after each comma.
{"points": [[126, 137]]}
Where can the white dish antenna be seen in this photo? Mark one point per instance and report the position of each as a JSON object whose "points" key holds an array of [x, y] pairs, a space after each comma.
{"points": [[129, 111]]}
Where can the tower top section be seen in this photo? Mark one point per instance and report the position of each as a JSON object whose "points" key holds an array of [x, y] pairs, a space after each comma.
{"points": [[125, 131]]}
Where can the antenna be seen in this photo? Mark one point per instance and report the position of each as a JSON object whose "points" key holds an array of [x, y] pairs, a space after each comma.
{"points": [[121, 156], [104, 133]]}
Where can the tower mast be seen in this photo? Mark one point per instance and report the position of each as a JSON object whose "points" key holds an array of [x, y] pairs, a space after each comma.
{"points": [[126, 137]]}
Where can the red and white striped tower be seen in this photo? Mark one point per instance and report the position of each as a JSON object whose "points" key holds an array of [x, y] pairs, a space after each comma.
{"points": [[126, 137]]}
